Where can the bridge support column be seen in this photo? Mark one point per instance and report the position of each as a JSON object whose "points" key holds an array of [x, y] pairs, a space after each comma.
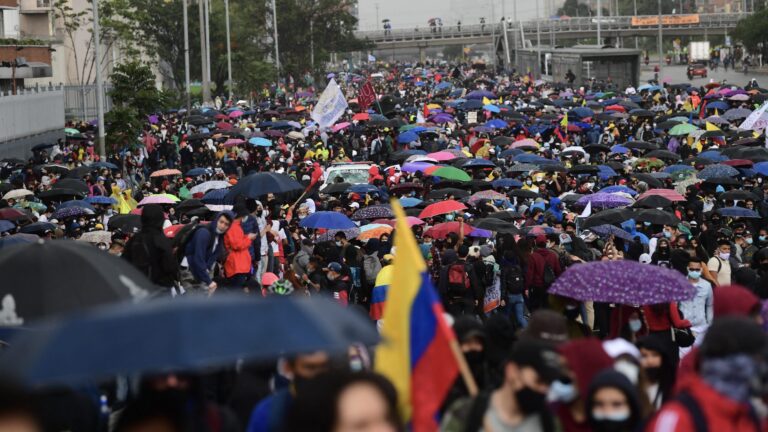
{"points": [[422, 54]]}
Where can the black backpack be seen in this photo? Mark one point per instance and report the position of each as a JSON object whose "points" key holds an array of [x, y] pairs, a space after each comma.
{"points": [[512, 279], [489, 273], [183, 237], [549, 275]]}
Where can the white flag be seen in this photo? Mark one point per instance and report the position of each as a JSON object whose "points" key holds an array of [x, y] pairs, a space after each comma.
{"points": [[758, 120], [587, 210], [371, 58], [330, 106]]}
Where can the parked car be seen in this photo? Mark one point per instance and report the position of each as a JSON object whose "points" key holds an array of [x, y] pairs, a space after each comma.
{"points": [[696, 69]]}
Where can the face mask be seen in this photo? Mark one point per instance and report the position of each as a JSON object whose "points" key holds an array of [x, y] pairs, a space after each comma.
{"points": [[635, 325], [667, 234], [530, 401], [762, 238], [561, 392], [610, 422], [724, 256], [449, 217], [629, 370], [572, 312], [338, 243], [694, 274], [653, 373], [528, 182], [647, 224], [749, 240]]}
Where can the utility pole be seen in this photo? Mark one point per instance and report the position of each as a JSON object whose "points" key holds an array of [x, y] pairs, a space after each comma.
{"points": [[204, 63], [277, 49], [186, 53], [517, 48], [99, 83], [599, 22], [637, 43], [229, 50], [538, 40], [661, 54], [208, 45]]}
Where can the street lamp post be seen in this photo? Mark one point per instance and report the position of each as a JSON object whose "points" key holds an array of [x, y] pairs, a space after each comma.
{"points": [[599, 22], [660, 48], [99, 83], [277, 49], [229, 49], [203, 63]]}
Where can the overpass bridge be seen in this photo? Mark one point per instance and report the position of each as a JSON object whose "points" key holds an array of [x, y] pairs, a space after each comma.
{"points": [[553, 30]]}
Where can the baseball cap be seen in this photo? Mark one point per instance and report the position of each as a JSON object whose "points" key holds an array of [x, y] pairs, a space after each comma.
{"points": [[334, 267], [540, 356]]}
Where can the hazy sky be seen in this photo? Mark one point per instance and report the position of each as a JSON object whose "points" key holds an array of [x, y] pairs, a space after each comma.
{"points": [[412, 13]]}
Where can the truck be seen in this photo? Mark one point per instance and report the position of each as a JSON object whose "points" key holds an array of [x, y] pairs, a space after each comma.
{"points": [[698, 52]]}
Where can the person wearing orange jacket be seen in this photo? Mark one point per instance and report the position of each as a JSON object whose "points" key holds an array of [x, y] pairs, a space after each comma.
{"points": [[237, 265]]}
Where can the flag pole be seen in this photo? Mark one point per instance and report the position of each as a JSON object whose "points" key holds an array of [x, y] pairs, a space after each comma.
{"points": [[466, 374]]}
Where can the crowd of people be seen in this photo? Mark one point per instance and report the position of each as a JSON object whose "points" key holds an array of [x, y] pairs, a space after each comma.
{"points": [[509, 182]]}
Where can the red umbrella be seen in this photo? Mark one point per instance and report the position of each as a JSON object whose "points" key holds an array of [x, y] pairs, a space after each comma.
{"points": [[224, 125], [441, 208], [440, 231], [666, 193], [220, 117], [738, 163], [573, 128], [615, 108], [361, 117], [13, 214]]}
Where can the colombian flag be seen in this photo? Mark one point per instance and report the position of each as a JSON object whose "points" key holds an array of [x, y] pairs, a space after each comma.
{"points": [[416, 355], [379, 294]]}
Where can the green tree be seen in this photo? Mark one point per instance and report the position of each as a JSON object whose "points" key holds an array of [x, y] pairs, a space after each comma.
{"points": [[134, 96], [753, 30]]}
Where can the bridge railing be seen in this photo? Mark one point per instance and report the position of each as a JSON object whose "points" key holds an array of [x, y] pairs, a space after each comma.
{"points": [[569, 25]]}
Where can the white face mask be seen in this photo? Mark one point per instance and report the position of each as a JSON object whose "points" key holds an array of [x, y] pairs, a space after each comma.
{"points": [[617, 416]]}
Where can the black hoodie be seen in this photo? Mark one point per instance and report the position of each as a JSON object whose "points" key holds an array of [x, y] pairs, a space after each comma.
{"points": [[151, 251]]}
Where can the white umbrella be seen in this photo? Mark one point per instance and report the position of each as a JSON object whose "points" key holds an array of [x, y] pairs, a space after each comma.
{"points": [[210, 185], [17, 193], [97, 237]]}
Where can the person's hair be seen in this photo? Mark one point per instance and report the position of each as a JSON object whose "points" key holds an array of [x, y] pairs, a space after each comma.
{"points": [[151, 406], [15, 401], [316, 407]]}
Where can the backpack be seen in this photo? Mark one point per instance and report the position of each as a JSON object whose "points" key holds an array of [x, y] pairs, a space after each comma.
{"points": [[183, 237], [489, 274], [512, 279], [458, 280]]}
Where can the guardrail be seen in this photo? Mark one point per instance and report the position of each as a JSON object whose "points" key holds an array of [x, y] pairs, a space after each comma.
{"points": [[560, 26]]}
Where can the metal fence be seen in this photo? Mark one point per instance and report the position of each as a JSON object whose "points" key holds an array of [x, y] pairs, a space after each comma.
{"points": [[80, 102]]}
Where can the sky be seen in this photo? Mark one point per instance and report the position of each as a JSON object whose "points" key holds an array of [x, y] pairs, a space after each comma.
{"points": [[412, 13]]}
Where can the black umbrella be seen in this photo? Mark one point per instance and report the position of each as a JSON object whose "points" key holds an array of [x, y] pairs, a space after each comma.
{"points": [[37, 228], [524, 193], [257, 185], [648, 179], [723, 181], [200, 212], [336, 188], [505, 215], [495, 225], [584, 169], [657, 217], [571, 198], [43, 146], [72, 184], [126, 223], [445, 192], [663, 154], [552, 167], [755, 154], [184, 334], [47, 278], [597, 148], [189, 204], [80, 172], [60, 194], [641, 145], [693, 161], [612, 216], [738, 194], [652, 202]]}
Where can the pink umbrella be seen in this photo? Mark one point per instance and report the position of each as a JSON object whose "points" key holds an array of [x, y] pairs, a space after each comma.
{"points": [[340, 126], [411, 220], [235, 114], [525, 143], [156, 199], [442, 156], [233, 142]]}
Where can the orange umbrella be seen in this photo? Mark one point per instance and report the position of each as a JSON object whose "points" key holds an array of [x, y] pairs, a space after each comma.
{"points": [[375, 233], [165, 172]]}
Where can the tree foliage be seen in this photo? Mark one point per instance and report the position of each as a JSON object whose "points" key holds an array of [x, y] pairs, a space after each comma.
{"points": [[753, 30]]}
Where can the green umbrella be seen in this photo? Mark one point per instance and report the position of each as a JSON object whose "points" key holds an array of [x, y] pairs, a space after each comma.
{"points": [[70, 131], [683, 129], [407, 127], [451, 173]]}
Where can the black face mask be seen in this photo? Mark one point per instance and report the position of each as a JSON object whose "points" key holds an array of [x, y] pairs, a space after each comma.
{"points": [[572, 313], [530, 401], [476, 363], [610, 426], [653, 373]]}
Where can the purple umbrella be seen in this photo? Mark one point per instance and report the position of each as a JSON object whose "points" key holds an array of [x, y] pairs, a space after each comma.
{"points": [[411, 167], [273, 133], [153, 119], [330, 234], [477, 232], [611, 230], [480, 94], [623, 282], [604, 200]]}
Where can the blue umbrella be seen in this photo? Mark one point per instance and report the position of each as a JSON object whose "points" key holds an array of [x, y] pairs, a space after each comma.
{"points": [[675, 168], [619, 188], [17, 239], [506, 183], [713, 155], [37, 228], [366, 189], [107, 165], [443, 85], [604, 200], [511, 152], [608, 230], [720, 105], [480, 94], [408, 202], [761, 168], [717, 170], [217, 197], [257, 185], [492, 108], [260, 142], [530, 158], [6, 225], [605, 172], [194, 172], [739, 212], [76, 203], [496, 124], [327, 220], [181, 334], [619, 149], [581, 112], [100, 199], [407, 137], [478, 163], [472, 105]]}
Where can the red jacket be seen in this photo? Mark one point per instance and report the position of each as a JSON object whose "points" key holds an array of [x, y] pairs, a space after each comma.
{"points": [[237, 243], [666, 318], [720, 413], [534, 271]]}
